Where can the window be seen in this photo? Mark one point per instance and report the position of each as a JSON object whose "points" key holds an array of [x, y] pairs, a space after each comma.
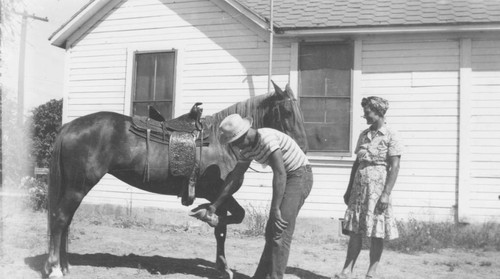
{"points": [[325, 94], [154, 83]]}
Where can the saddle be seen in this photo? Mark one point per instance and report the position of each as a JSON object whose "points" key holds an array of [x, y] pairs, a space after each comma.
{"points": [[182, 135]]}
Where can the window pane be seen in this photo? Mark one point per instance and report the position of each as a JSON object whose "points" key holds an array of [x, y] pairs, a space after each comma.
{"points": [[339, 56], [338, 83], [325, 73], [141, 109], [165, 108], [337, 110], [165, 76], [144, 77], [327, 137], [312, 82], [313, 109]]}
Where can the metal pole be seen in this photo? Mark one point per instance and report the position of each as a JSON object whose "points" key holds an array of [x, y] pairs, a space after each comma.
{"points": [[20, 72], [271, 37]]}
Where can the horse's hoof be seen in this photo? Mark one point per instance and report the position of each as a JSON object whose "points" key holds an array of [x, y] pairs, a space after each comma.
{"points": [[65, 271], [56, 273], [226, 274]]}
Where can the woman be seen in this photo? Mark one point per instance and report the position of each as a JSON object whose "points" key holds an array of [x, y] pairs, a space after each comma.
{"points": [[368, 195]]}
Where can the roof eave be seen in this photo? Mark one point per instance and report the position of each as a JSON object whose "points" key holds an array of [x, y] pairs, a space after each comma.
{"points": [[261, 21], [362, 30], [61, 35]]}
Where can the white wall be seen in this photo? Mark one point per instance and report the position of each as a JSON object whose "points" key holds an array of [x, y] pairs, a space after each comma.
{"points": [[419, 78], [485, 131]]}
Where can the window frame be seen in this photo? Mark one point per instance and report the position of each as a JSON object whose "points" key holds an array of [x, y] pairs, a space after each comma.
{"points": [[130, 51], [352, 44], [134, 80]]}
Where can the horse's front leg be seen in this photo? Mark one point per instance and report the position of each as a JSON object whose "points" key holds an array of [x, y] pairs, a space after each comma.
{"points": [[236, 217], [220, 233]]}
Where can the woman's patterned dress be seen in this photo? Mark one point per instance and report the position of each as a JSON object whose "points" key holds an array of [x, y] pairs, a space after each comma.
{"points": [[373, 150]]}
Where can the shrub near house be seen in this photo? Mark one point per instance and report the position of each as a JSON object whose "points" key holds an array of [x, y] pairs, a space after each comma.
{"points": [[44, 124]]}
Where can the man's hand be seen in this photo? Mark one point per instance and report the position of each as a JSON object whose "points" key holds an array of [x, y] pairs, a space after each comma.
{"points": [[279, 225], [382, 203], [206, 213], [211, 209]]}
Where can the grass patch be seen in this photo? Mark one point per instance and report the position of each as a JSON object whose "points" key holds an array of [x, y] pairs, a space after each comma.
{"points": [[417, 235], [255, 220]]}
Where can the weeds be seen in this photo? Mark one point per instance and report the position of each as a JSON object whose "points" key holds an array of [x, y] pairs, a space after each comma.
{"points": [[256, 220], [128, 222], [417, 235]]}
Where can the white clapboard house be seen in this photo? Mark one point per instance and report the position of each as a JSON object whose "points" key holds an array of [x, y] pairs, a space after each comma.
{"points": [[437, 62]]}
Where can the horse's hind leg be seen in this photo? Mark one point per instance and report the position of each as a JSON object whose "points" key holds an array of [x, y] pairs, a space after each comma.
{"points": [[63, 251], [60, 220]]}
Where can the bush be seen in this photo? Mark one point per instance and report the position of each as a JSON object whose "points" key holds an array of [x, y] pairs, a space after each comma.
{"points": [[45, 122], [36, 193]]}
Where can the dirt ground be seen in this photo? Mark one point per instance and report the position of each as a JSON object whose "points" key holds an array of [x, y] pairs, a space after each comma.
{"points": [[110, 247]]}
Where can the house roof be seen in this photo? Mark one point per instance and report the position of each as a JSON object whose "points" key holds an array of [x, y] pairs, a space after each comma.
{"points": [[316, 17], [309, 14]]}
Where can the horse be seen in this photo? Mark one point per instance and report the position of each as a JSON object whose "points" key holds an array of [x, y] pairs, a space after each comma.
{"points": [[90, 146]]}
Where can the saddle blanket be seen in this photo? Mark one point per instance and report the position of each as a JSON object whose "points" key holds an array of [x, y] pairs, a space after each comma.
{"points": [[159, 132]]}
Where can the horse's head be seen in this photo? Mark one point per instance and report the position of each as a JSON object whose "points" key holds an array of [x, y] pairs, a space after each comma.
{"points": [[284, 114]]}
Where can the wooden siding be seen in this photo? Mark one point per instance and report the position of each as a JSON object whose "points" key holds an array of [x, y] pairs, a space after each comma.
{"points": [[225, 61], [218, 69], [420, 80], [485, 131]]}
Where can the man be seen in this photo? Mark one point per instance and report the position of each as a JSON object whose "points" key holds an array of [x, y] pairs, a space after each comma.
{"points": [[292, 182]]}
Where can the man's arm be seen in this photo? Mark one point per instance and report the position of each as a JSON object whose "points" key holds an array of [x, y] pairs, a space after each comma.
{"points": [[279, 183], [231, 184]]}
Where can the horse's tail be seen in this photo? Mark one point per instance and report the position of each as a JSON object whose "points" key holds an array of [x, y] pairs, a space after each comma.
{"points": [[55, 181]]}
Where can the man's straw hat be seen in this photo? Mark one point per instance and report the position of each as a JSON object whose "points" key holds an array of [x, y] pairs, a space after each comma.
{"points": [[233, 127]]}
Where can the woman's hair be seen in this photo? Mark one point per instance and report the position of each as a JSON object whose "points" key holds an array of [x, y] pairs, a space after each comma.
{"points": [[376, 104]]}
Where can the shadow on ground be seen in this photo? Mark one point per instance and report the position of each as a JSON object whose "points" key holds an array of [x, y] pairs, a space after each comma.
{"points": [[156, 265], [304, 274], [153, 264]]}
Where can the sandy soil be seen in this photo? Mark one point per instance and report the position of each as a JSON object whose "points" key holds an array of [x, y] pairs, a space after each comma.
{"points": [[104, 249]]}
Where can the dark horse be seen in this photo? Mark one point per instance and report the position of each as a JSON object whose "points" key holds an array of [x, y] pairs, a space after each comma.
{"points": [[90, 146]]}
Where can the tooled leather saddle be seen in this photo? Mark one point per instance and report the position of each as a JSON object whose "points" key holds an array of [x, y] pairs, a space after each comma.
{"points": [[182, 135]]}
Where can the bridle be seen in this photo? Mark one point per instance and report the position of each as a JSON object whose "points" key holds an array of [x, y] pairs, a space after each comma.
{"points": [[276, 113]]}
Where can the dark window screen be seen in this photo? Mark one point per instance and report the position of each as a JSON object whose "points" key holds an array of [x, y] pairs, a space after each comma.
{"points": [[325, 94]]}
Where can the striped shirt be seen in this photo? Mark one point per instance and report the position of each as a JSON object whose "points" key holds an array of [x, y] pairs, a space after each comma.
{"points": [[270, 140]]}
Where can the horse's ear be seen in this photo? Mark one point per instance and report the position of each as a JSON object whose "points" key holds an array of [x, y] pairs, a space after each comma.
{"points": [[277, 89], [289, 91]]}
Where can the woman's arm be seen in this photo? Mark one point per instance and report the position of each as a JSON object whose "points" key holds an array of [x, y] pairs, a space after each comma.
{"points": [[347, 194], [392, 175]]}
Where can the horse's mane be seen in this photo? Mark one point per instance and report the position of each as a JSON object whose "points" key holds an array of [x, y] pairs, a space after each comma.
{"points": [[254, 107]]}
